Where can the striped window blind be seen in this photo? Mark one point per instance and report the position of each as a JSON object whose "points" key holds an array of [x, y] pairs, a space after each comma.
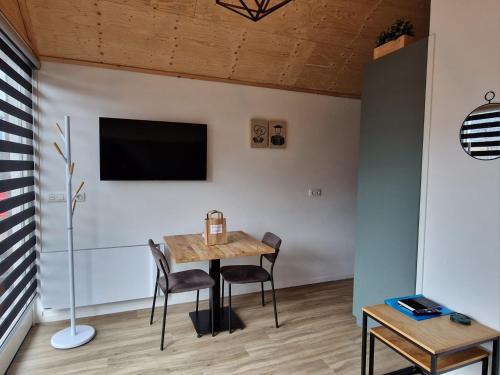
{"points": [[17, 195], [480, 133]]}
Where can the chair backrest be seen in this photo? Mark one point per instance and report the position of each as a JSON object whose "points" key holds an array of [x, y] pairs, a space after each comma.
{"points": [[270, 239], [159, 257]]}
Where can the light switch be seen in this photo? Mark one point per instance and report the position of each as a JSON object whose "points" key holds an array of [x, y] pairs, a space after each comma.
{"points": [[56, 197], [314, 192]]}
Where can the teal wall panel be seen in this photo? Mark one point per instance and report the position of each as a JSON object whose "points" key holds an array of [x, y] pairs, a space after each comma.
{"points": [[392, 123]]}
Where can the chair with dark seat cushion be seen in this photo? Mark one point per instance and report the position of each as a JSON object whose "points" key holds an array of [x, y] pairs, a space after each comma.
{"points": [[176, 282], [247, 274]]}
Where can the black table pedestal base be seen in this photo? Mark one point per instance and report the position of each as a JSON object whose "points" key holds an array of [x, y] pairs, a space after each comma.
{"points": [[203, 327]]}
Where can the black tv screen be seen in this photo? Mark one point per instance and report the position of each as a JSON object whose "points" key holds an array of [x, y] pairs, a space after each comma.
{"points": [[152, 150]]}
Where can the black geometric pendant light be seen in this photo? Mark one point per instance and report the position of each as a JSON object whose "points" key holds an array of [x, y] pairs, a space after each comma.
{"points": [[252, 9]]}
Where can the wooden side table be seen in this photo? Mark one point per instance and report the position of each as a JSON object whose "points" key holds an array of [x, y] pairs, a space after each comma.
{"points": [[434, 346]]}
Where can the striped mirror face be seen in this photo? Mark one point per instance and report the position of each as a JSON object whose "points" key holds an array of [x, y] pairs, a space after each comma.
{"points": [[480, 132]]}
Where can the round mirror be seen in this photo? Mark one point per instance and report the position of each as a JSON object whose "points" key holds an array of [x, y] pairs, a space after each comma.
{"points": [[480, 132]]}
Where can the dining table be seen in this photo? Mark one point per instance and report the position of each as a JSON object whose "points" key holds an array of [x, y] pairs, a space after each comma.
{"points": [[189, 248]]}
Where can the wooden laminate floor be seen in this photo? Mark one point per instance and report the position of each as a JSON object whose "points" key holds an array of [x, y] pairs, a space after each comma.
{"points": [[318, 335]]}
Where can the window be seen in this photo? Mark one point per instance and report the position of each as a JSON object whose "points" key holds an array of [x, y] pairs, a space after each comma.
{"points": [[17, 195]]}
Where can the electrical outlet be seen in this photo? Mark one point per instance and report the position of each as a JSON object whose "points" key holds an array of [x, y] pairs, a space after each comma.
{"points": [[80, 197], [56, 197], [314, 192]]}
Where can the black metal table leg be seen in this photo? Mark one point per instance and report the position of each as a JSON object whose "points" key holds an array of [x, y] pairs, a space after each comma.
{"points": [[220, 316], [484, 367], [372, 354], [363, 344], [495, 357], [433, 364], [214, 272]]}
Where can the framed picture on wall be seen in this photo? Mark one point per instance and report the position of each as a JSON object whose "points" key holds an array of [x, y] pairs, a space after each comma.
{"points": [[259, 137], [277, 134]]}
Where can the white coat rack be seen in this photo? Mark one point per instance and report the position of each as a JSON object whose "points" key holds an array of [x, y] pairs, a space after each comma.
{"points": [[74, 335]]}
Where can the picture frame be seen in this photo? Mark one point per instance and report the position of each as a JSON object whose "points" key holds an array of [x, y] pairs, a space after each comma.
{"points": [[259, 133], [277, 134]]}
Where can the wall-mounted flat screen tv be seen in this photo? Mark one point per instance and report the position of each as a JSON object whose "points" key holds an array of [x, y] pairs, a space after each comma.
{"points": [[152, 150]]}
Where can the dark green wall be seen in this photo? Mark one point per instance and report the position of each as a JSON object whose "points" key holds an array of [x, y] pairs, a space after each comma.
{"points": [[392, 122]]}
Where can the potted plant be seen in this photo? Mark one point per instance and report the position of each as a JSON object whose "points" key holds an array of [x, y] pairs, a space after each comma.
{"points": [[397, 36]]}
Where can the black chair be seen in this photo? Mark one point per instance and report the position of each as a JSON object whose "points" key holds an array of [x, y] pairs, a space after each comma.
{"points": [[246, 274], [177, 282]]}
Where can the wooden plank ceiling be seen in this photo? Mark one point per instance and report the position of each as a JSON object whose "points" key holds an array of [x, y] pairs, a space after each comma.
{"points": [[308, 45]]}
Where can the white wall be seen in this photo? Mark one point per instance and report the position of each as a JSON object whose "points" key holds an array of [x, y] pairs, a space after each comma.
{"points": [[461, 243], [258, 190]]}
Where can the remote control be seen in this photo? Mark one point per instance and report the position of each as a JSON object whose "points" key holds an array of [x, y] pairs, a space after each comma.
{"points": [[427, 312]]}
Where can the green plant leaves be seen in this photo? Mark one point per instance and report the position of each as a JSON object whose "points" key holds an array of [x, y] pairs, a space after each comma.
{"points": [[398, 28]]}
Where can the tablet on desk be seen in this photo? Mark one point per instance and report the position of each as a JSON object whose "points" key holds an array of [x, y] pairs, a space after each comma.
{"points": [[419, 304]]}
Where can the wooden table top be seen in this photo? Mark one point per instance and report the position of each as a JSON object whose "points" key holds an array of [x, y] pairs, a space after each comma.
{"points": [[191, 247], [437, 335]]}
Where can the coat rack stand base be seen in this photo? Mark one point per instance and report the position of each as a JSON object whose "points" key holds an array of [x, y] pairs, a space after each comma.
{"points": [[65, 340]]}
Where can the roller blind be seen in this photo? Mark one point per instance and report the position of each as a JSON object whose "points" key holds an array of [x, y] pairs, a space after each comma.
{"points": [[18, 283]]}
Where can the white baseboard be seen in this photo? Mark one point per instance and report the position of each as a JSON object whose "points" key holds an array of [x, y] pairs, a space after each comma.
{"points": [[52, 315], [16, 337]]}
